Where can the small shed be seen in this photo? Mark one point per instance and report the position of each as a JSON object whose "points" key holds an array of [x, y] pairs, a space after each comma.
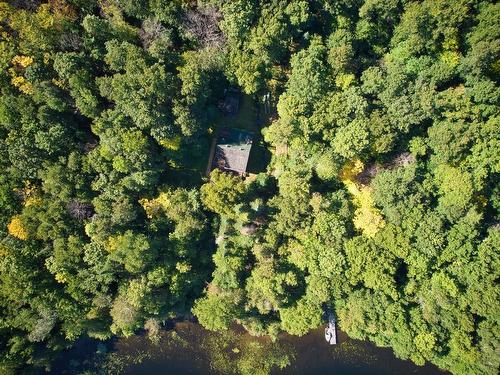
{"points": [[232, 150], [231, 102]]}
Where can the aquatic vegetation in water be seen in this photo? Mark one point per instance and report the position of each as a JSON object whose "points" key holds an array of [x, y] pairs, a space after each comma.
{"points": [[230, 353]]}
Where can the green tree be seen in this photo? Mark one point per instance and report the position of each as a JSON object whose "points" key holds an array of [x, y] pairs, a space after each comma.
{"points": [[222, 192]]}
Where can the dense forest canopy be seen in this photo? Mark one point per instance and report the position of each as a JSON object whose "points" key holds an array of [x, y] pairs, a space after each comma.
{"points": [[380, 202]]}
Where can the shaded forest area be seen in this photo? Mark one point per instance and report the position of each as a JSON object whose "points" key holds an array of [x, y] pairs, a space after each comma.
{"points": [[381, 200]]}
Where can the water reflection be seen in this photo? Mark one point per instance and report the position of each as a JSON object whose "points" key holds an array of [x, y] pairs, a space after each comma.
{"points": [[189, 349]]}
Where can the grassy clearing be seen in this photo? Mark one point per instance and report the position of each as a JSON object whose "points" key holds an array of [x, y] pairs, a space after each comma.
{"points": [[191, 169], [247, 118]]}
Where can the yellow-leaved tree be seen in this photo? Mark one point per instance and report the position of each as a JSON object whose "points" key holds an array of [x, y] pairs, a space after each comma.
{"points": [[17, 229], [367, 218]]}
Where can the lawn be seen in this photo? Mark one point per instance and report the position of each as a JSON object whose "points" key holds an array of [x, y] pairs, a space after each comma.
{"points": [[247, 118], [192, 168]]}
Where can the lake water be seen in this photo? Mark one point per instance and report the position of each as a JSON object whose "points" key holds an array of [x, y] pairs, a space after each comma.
{"points": [[189, 349]]}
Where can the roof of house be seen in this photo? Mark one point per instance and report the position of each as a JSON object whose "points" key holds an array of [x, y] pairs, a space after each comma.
{"points": [[232, 150]]}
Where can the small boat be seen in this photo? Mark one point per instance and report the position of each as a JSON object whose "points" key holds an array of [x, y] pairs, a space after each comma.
{"points": [[330, 331]]}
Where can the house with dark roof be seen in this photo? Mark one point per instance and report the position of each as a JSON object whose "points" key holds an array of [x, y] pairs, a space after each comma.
{"points": [[232, 150]]}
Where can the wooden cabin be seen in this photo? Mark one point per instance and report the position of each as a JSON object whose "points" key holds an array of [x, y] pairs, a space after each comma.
{"points": [[232, 151]]}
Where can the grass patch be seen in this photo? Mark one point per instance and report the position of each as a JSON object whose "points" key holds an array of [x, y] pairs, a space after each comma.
{"points": [[247, 119], [188, 166]]}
